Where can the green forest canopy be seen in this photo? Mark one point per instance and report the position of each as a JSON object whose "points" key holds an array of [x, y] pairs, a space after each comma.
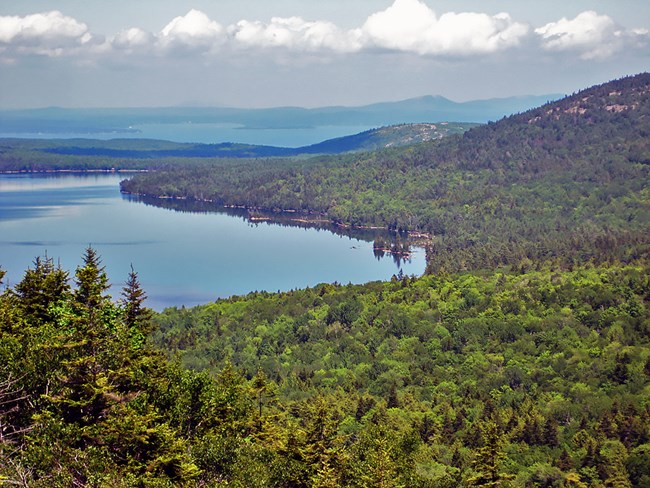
{"points": [[534, 378]]}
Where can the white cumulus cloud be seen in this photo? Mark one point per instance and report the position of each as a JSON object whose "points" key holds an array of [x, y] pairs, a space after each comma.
{"points": [[401, 25], [591, 34], [410, 25], [133, 40], [193, 31], [294, 33], [47, 33], [640, 39]]}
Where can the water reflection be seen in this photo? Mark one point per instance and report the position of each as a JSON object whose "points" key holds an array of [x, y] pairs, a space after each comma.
{"points": [[385, 243]]}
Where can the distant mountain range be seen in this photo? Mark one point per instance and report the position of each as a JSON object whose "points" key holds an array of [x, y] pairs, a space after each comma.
{"points": [[428, 109], [391, 136]]}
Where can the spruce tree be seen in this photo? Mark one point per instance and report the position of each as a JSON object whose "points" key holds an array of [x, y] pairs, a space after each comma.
{"points": [[488, 457], [41, 287], [621, 373], [88, 374], [135, 315], [611, 464], [91, 304], [92, 284]]}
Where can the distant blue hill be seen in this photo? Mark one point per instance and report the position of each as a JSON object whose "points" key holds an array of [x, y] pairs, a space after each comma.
{"points": [[426, 109]]}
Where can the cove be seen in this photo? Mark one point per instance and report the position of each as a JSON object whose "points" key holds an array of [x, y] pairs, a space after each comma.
{"points": [[183, 256]]}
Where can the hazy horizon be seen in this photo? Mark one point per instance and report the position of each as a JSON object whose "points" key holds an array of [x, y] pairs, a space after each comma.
{"points": [[199, 105]]}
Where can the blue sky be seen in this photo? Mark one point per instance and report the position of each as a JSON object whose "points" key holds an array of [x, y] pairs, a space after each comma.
{"points": [[261, 53]]}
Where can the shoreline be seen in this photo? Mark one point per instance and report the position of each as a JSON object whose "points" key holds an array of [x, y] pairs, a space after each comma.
{"points": [[55, 171], [417, 238]]}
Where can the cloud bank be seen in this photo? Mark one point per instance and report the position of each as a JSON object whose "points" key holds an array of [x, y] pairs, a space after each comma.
{"points": [[194, 31], [593, 35], [294, 33], [49, 33], [407, 26]]}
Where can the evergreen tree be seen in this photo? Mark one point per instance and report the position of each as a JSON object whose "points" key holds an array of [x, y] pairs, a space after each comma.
{"points": [[392, 401], [488, 457], [550, 434], [136, 316], [265, 392], [95, 422], [378, 469], [260, 387], [564, 462], [92, 285], [41, 287], [90, 372], [638, 466], [326, 476], [611, 465], [621, 374], [364, 404]]}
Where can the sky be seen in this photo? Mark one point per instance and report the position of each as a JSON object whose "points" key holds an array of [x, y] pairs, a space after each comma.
{"points": [[310, 53]]}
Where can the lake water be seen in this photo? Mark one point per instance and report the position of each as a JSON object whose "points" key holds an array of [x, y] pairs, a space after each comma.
{"points": [[182, 258], [212, 134]]}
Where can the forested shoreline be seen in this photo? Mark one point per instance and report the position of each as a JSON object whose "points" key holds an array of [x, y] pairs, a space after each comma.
{"points": [[566, 182], [61, 155]]}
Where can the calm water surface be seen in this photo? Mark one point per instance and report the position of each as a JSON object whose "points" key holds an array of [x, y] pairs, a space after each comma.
{"points": [[181, 258], [212, 134]]}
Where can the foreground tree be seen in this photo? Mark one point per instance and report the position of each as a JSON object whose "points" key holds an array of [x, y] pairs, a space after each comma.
{"points": [[488, 457], [42, 287], [92, 285], [136, 316], [83, 412]]}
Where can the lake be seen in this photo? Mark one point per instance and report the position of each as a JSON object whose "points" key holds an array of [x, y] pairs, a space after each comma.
{"points": [[208, 133], [182, 258]]}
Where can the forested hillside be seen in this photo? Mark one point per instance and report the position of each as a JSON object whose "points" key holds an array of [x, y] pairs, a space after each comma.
{"points": [[566, 182], [34, 155], [537, 378], [541, 378]]}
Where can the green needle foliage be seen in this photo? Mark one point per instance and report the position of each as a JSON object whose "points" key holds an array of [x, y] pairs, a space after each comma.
{"points": [[77, 392]]}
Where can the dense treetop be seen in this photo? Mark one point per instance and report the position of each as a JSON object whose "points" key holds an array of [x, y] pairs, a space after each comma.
{"points": [[534, 378]]}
